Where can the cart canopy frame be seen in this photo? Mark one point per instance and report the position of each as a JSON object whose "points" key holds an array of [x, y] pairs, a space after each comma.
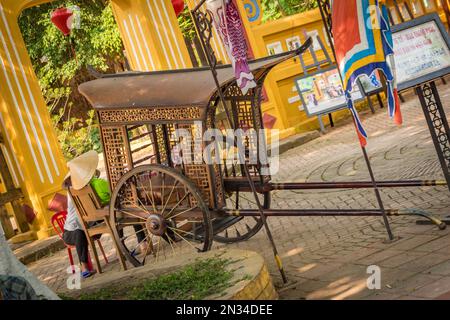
{"points": [[184, 88]]}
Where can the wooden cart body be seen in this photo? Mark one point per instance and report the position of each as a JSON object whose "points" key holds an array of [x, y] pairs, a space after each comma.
{"points": [[160, 102]]}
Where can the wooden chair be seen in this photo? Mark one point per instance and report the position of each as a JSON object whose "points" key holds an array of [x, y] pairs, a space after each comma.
{"points": [[90, 210]]}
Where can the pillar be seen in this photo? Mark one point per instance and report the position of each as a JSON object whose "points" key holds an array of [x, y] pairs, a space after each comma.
{"points": [[151, 35], [31, 149]]}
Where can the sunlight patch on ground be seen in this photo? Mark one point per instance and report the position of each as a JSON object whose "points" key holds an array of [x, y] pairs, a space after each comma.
{"points": [[378, 133], [307, 267], [341, 289], [293, 252], [356, 287]]}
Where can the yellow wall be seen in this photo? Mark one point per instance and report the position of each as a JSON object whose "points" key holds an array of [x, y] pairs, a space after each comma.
{"points": [[8, 206], [151, 35], [281, 79], [215, 39]]}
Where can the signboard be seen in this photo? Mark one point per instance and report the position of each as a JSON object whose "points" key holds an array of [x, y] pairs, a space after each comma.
{"points": [[422, 51], [321, 92]]}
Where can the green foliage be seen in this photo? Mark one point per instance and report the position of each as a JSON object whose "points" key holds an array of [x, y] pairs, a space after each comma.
{"points": [[186, 24], [60, 64], [78, 136], [194, 282], [275, 9], [95, 42]]}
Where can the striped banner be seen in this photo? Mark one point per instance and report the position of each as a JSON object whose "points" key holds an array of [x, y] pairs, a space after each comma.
{"points": [[363, 43]]}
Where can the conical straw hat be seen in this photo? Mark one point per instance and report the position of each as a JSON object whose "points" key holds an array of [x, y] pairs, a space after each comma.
{"points": [[82, 169]]}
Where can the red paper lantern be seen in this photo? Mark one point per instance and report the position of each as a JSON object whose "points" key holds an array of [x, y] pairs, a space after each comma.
{"points": [[178, 6], [61, 19]]}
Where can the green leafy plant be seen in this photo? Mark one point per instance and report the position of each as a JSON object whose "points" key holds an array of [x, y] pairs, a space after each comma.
{"points": [[193, 282], [60, 64], [186, 24], [78, 136]]}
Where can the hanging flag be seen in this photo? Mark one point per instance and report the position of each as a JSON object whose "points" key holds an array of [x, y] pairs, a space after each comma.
{"points": [[363, 44], [228, 24]]}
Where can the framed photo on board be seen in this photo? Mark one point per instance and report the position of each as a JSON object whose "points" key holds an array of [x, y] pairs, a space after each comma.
{"points": [[422, 51], [293, 43], [274, 48], [371, 85], [321, 92], [314, 34]]}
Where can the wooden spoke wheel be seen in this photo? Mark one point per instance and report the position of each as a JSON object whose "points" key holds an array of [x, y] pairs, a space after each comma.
{"points": [[158, 213], [242, 228]]}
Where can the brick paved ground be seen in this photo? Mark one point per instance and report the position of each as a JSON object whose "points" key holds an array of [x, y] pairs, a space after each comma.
{"points": [[327, 258]]}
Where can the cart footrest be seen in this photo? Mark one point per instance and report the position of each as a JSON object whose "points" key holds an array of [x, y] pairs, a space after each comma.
{"points": [[222, 224], [219, 225]]}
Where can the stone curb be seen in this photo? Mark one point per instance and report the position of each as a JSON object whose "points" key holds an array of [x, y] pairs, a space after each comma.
{"points": [[297, 140], [39, 249], [251, 278]]}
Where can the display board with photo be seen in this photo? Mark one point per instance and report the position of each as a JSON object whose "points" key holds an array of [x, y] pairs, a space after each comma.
{"points": [[322, 92], [422, 51]]}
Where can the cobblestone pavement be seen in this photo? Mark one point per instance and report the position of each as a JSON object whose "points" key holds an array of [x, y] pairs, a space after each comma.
{"points": [[327, 258]]}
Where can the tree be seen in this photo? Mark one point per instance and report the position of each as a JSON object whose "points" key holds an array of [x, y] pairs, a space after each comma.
{"points": [[9, 265], [275, 9], [96, 42]]}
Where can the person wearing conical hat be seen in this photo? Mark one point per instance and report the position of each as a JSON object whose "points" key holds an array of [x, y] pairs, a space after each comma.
{"points": [[82, 172]]}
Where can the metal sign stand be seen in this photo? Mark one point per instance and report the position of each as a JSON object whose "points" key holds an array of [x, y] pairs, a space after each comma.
{"points": [[437, 123]]}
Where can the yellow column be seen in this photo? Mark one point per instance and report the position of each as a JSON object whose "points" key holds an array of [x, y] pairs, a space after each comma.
{"points": [[151, 35], [32, 150]]}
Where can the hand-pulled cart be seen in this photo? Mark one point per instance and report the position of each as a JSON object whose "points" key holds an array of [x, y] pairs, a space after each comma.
{"points": [[151, 123], [185, 206]]}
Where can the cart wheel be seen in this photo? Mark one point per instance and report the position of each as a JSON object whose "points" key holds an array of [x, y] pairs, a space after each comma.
{"points": [[157, 213], [242, 228]]}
